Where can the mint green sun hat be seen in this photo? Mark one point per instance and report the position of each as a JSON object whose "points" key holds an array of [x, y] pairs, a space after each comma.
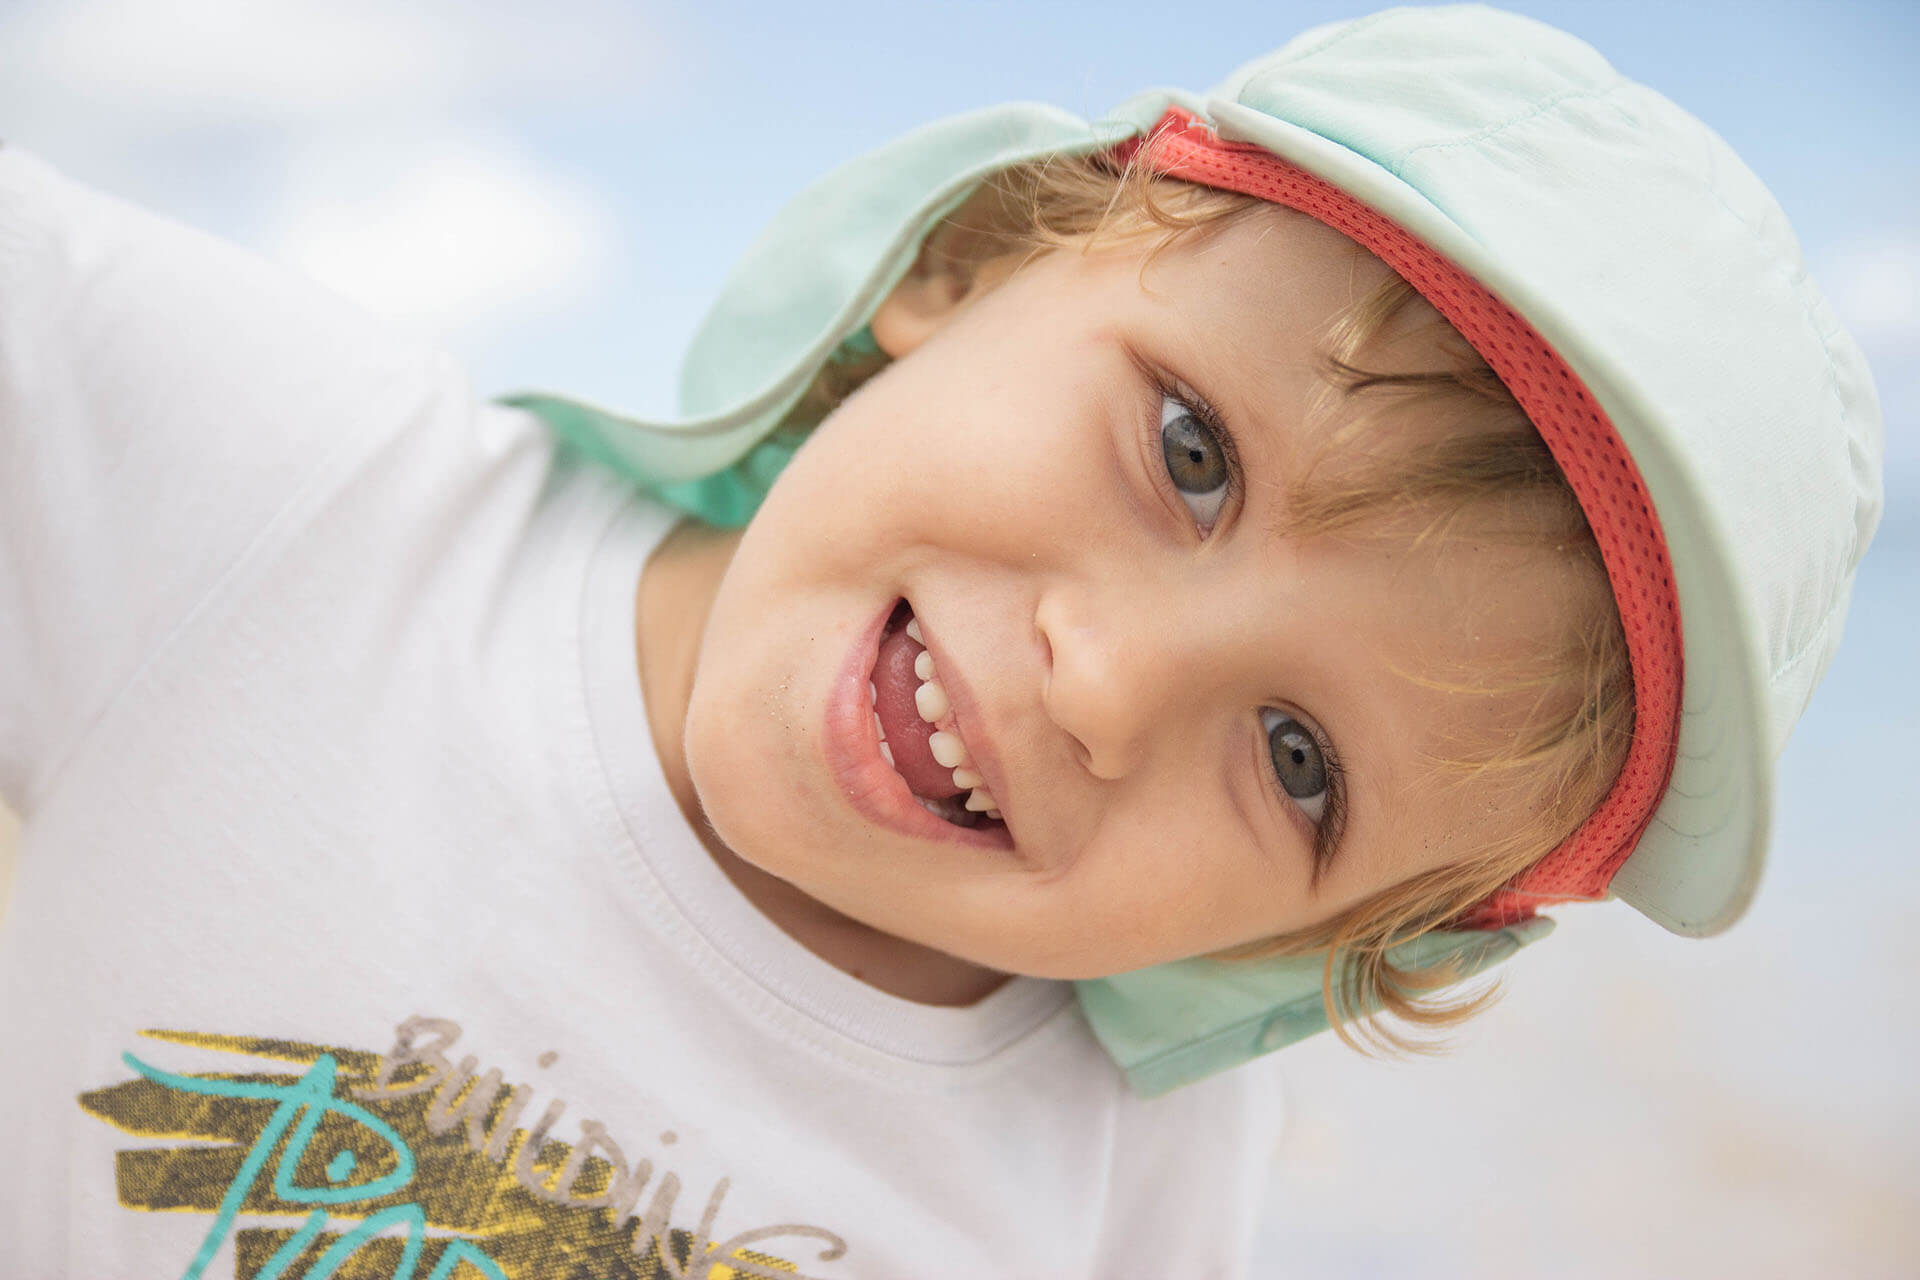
{"points": [[1629, 278]]}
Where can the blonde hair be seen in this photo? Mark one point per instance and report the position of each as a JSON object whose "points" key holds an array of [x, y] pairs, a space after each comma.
{"points": [[1488, 463]]}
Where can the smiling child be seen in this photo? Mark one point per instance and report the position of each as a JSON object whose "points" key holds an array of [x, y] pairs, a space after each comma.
{"points": [[1134, 650], [1123, 596]]}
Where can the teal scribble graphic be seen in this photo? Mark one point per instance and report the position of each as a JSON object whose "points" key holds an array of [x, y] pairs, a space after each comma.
{"points": [[303, 1105], [404, 1164]]}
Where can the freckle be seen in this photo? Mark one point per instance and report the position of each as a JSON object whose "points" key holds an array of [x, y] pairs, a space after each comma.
{"points": [[669, 1138], [547, 1059]]}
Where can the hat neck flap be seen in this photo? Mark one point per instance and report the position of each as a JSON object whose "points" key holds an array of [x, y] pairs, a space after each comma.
{"points": [[814, 277]]}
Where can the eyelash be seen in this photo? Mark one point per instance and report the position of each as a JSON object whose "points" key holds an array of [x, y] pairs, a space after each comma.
{"points": [[1189, 398], [1326, 832]]}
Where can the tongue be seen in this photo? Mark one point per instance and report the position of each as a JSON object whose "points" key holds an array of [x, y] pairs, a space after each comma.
{"points": [[907, 733]]}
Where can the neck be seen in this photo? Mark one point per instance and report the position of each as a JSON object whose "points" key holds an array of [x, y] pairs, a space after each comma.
{"points": [[675, 596]]}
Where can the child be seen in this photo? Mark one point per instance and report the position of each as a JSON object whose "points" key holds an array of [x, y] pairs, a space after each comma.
{"points": [[1231, 563]]}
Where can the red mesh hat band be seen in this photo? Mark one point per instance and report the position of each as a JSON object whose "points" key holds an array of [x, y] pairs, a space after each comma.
{"points": [[1582, 441]]}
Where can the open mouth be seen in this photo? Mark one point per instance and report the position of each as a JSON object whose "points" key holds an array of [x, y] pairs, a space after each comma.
{"points": [[919, 736]]}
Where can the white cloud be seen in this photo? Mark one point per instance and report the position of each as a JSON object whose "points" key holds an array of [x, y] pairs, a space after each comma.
{"points": [[265, 61], [1874, 285], [458, 235], [201, 58], [365, 142]]}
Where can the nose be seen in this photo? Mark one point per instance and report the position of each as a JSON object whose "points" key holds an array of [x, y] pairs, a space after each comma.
{"points": [[1109, 682]]}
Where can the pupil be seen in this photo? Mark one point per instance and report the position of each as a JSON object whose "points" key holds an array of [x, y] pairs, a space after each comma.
{"points": [[1297, 759], [1195, 461]]}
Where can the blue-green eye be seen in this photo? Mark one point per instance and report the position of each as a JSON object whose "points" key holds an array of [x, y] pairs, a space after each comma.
{"points": [[1196, 461], [1298, 762]]}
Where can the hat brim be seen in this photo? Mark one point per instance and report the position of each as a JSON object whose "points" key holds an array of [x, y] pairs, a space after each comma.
{"points": [[1699, 860]]}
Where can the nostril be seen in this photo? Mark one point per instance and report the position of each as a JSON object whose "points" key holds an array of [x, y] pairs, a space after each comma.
{"points": [[1080, 751]]}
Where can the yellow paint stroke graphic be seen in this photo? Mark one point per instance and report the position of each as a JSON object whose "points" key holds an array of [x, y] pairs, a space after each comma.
{"points": [[363, 1146]]}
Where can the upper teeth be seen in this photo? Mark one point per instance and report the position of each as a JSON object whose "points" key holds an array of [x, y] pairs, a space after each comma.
{"points": [[931, 700], [949, 750]]}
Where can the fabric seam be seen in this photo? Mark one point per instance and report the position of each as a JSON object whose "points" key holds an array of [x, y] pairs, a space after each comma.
{"points": [[42, 787], [1494, 130]]}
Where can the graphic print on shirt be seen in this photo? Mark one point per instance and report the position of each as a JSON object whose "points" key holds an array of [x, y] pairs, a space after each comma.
{"points": [[377, 1150]]}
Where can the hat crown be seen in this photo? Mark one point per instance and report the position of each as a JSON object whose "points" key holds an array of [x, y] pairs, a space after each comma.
{"points": [[1667, 256]]}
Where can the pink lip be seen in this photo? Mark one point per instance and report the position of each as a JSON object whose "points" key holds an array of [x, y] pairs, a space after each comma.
{"points": [[852, 749]]}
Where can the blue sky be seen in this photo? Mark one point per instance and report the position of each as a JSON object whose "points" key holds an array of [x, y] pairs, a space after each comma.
{"points": [[556, 191]]}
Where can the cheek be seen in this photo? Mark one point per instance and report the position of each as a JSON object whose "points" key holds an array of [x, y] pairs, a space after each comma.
{"points": [[1146, 891], [747, 782], [1014, 474], [976, 405], [711, 745]]}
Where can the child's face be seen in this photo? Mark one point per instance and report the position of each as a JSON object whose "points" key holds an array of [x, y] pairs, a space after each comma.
{"points": [[1144, 682]]}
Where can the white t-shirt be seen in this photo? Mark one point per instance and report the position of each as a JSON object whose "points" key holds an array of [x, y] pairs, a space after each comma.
{"points": [[355, 929]]}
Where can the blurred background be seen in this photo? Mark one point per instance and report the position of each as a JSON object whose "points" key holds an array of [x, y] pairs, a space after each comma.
{"points": [[555, 193]]}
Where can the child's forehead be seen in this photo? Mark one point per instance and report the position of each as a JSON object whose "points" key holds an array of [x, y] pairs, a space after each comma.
{"points": [[1273, 263], [1269, 259], [1254, 303], [1254, 307]]}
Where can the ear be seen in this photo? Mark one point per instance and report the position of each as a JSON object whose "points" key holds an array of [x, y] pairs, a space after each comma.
{"points": [[946, 275]]}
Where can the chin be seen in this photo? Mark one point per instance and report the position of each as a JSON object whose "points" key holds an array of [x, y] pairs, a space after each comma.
{"points": [[708, 769]]}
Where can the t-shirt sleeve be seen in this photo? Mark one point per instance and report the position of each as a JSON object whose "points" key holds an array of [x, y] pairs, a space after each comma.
{"points": [[163, 395], [1190, 1176]]}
